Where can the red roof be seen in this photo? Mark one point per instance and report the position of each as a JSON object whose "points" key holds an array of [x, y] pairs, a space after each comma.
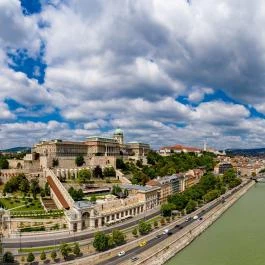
{"points": [[58, 193]]}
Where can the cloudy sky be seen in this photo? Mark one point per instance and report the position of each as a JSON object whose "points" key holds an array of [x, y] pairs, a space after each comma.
{"points": [[166, 72]]}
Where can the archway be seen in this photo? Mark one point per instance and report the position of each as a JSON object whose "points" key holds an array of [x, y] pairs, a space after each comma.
{"points": [[85, 220]]}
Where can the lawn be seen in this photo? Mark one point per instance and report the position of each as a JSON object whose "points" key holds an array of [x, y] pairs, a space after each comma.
{"points": [[29, 204]]}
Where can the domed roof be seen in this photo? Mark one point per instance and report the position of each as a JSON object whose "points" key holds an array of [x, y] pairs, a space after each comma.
{"points": [[118, 131]]}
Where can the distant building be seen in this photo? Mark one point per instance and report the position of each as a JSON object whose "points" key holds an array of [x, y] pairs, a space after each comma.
{"points": [[221, 168], [169, 150]]}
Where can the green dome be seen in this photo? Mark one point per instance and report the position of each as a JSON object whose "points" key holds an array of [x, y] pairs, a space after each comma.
{"points": [[118, 131]]}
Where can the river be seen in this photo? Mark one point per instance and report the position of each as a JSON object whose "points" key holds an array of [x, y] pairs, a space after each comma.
{"points": [[236, 238]]}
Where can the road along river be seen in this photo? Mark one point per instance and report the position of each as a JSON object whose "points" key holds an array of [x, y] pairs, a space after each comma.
{"points": [[237, 238]]}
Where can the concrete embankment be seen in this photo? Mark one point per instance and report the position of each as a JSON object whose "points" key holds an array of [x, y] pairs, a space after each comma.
{"points": [[161, 253]]}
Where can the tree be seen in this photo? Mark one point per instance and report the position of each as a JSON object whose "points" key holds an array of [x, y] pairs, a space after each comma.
{"points": [[109, 172], [144, 228], [77, 195], [4, 163], [65, 250], [100, 242], [211, 195], [47, 189], [34, 187], [116, 190], [97, 172], [162, 221], [24, 186], [43, 255], [76, 249], [120, 164], [135, 232], [8, 257], [53, 255], [30, 257], [155, 224], [167, 208], [79, 160], [118, 237], [191, 206], [84, 175], [55, 162]]}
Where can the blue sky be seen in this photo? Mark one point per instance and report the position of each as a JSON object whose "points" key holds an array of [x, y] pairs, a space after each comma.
{"points": [[166, 73]]}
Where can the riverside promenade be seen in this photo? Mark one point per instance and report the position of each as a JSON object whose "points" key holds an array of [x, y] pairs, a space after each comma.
{"points": [[161, 253], [159, 250]]}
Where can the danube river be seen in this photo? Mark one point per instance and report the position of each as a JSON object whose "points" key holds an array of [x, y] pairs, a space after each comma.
{"points": [[236, 238]]}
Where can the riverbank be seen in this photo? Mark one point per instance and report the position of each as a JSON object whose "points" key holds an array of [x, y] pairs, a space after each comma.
{"points": [[170, 247]]}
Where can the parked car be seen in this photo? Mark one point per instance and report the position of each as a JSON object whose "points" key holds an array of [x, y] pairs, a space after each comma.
{"points": [[134, 258], [122, 253], [158, 236], [195, 217]]}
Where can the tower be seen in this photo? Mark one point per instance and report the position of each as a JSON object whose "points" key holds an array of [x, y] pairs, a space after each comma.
{"points": [[118, 135]]}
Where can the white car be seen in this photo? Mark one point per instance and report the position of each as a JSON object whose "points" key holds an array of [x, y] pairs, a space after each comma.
{"points": [[165, 231], [122, 253], [195, 217]]}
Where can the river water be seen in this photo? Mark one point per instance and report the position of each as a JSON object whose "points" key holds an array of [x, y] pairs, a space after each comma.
{"points": [[236, 238]]}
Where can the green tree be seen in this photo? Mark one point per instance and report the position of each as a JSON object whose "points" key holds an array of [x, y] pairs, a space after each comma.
{"points": [[8, 257], [34, 187], [191, 206], [109, 172], [100, 242], [79, 161], [76, 249], [144, 228], [84, 175], [155, 224], [30, 257], [118, 237], [135, 231], [97, 172], [43, 255], [47, 189], [24, 186], [120, 164], [53, 255], [65, 250], [211, 195], [4, 163], [116, 190], [167, 208]]}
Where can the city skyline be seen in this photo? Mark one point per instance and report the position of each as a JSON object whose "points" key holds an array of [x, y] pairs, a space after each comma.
{"points": [[180, 72]]}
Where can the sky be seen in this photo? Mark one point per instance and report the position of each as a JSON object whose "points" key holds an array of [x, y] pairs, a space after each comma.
{"points": [[165, 72]]}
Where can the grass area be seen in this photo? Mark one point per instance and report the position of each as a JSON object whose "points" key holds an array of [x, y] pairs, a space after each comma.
{"points": [[40, 249], [13, 202]]}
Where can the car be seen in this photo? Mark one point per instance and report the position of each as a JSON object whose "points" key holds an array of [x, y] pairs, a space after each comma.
{"points": [[122, 253], [142, 243], [165, 231], [200, 218], [195, 217], [158, 236], [169, 233], [180, 227], [176, 226], [134, 258]]}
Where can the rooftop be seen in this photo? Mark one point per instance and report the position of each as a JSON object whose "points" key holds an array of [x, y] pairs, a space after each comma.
{"points": [[83, 204], [138, 187]]}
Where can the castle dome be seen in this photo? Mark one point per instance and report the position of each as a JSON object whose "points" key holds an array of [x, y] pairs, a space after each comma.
{"points": [[118, 131]]}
